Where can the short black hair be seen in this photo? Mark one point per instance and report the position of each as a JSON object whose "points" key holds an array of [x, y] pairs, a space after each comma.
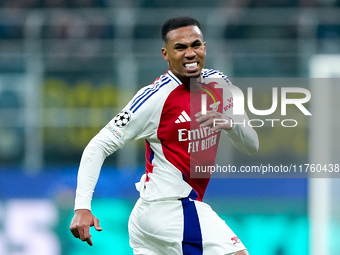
{"points": [[178, 22]]}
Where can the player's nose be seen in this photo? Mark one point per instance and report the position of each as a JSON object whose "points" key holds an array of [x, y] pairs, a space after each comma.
{"points": [[190, 53]]}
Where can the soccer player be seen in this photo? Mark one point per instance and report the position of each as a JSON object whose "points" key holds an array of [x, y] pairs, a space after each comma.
{"points": [[170, 217]]}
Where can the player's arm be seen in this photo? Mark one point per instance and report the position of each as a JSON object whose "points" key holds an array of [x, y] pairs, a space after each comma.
{"points": [[244, 138], [123, 127], [90, 165], [242, 135]]}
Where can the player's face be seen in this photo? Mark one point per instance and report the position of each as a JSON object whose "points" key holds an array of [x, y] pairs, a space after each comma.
{"points": [[185, 51]]}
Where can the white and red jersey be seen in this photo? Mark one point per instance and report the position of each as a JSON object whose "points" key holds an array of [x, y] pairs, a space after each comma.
{"points": [[163, 114]]}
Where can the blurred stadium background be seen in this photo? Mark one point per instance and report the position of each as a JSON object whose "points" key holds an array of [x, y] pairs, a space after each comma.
{"points": [[68, 66]]}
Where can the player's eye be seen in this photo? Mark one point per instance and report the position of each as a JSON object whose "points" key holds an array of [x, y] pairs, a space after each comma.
{"points": [[196, 44], [180, 47]]}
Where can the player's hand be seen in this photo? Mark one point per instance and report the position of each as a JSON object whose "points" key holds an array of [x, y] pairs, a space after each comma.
{"points": [[214, 120], [82, 220]]}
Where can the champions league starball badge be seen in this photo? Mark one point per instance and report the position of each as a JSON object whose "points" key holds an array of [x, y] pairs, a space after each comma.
{"points": [[122, 119]]}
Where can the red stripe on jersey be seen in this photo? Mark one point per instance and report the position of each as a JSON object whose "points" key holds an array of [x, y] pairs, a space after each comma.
{"points": [[173, 132], [149, 155]]}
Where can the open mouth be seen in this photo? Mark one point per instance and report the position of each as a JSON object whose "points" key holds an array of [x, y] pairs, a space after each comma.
{"points": [[191, 66]]}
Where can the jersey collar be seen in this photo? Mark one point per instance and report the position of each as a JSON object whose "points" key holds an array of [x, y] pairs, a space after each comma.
{"points": [[173, 77]]}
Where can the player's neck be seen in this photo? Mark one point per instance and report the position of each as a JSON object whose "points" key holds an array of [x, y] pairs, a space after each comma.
{"points": [[191, 83]]}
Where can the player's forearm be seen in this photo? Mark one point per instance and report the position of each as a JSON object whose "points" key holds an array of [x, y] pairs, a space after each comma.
{"points": [[244, 138], [90, 165]]}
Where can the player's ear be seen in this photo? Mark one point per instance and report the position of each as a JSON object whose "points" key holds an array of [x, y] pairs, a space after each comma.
{"points": [[165, 54]]}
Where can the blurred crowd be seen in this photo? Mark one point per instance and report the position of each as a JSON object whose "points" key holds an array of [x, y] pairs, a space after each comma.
{"points": [[70, 25], [163, 3], [18, 4]]}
